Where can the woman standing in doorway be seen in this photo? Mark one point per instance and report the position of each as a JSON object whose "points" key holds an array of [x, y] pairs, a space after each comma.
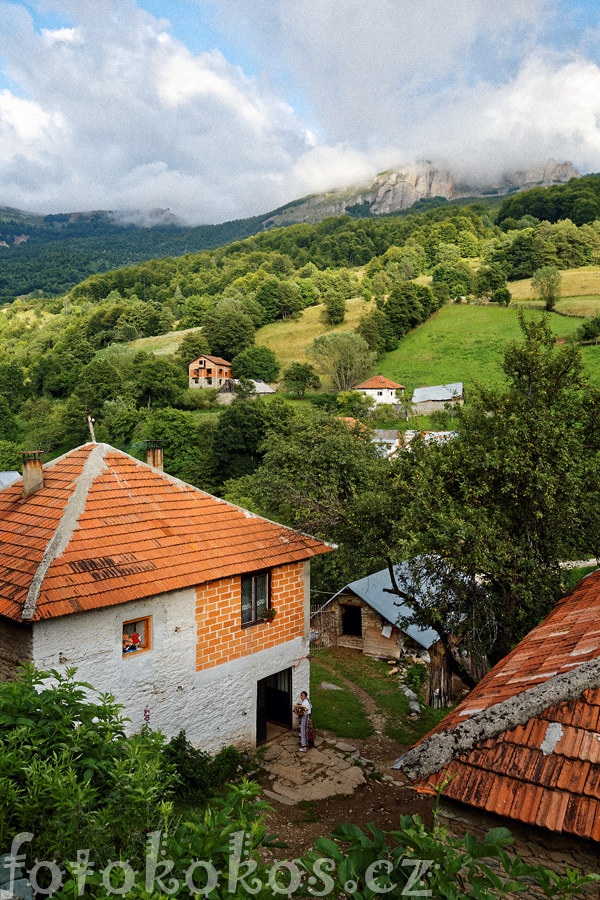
{"points": [[305, 726]]}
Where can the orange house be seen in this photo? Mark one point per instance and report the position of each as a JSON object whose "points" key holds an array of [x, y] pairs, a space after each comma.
{"points": [[171, 599], [209, 371]]}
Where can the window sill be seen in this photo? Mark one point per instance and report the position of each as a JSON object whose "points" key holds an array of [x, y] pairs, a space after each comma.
{"points": [[136, 652], [256, 622]]}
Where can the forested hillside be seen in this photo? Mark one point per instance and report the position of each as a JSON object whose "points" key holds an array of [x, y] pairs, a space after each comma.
{"points": [[64, 357]]}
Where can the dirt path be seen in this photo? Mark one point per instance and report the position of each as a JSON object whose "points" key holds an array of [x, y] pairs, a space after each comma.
{"points": [[384, 796], [375, 717]]}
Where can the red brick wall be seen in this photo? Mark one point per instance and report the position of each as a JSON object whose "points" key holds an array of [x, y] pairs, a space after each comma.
{"points": [[220, 636]]}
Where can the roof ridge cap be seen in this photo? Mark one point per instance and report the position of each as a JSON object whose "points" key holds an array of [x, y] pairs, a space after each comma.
{"points": [[435, 752], [68, 523]]}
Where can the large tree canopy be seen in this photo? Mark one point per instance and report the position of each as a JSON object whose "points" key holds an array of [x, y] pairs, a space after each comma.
{"points": [[490, 515]]}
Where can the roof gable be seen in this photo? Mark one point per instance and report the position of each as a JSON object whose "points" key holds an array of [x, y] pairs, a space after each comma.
{"points": [[216, 360], [527, 738], [378, 382], [107, 528]]}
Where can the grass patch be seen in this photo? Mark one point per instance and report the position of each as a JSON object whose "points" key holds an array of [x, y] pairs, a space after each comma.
{"points": [[461, 342], [573, 576], [372, 676], [337, 711], [309, 812], [288, 340]]}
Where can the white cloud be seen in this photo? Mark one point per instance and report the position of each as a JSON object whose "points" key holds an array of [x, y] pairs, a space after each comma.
{"points": [[112, 111], [121, 114], [550, 108]]}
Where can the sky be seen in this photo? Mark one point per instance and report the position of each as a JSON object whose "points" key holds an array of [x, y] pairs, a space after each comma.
{"points": [[221, 109]]}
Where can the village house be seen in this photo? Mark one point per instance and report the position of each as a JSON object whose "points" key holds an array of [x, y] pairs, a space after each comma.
{"points": [[366, 617], [387, 440], [380, 390], [229, 389], [523, 749], [426, 400], [157, 592], [208, 372]]}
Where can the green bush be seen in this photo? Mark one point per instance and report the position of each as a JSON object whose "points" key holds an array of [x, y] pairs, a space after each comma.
{"points": [[70, 775], [416, 675], [197, 772]]}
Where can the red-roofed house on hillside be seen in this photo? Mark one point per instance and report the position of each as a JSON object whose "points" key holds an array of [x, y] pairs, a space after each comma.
{"points": [[525, 743], [156, 592], [209, 372], [380, 389]]}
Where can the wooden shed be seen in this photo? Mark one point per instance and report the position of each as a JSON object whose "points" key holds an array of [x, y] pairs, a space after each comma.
{"points": [[364, 616]]}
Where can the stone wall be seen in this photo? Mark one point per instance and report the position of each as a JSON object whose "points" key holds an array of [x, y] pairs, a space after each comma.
{"points": [[15, 647], [216, 706], [536, 846]]}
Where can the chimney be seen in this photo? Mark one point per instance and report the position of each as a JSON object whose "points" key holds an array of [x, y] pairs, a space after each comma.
{"points": [[33, 475], [154, 454]]}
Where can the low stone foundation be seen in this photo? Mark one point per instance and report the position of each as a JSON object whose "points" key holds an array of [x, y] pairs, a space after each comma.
{"points": [[536, 846]]}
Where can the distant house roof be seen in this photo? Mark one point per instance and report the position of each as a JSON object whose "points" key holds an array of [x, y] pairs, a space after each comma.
{"points": [[8, 477], [525, 743], [386, 434], [372, 590], [440, 392], [106, 528], [213, 359], [260, 387], [378, 382]]}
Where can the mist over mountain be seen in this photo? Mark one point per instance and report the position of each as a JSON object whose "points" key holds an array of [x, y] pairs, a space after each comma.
{"points": [[400, 188]]}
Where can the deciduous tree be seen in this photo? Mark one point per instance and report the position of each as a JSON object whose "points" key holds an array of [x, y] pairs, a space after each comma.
{"points": [[344, 356]]}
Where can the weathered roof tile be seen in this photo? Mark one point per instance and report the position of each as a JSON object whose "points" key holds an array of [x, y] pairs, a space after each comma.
{"points": [[106, 528]]}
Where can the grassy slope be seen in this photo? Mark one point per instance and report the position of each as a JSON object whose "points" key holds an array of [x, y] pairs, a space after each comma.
{"points": [[464, 343], [288, 340]]}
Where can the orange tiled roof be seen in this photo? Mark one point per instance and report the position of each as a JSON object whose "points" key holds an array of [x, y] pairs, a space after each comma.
{"points": [[544, 768], [106, 528], [378, 382], [214, 359]]}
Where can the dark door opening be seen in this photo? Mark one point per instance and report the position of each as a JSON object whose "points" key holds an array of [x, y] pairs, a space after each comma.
{"points": [[273, 703], [352, 621]]}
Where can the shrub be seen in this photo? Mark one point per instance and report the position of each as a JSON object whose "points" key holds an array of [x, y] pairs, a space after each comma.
{"points": [[197, 772]]}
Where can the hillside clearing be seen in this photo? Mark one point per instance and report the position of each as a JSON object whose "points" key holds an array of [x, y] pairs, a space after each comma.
{"points": [[162, 344], [464, 342], [580, 292], [289, 339]]}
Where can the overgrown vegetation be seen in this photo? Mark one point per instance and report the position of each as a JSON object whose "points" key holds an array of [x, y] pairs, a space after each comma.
{"points": [[71, 780]]}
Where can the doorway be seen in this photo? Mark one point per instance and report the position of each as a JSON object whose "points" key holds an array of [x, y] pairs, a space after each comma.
{"points": [[273, 705], [351, 620]]}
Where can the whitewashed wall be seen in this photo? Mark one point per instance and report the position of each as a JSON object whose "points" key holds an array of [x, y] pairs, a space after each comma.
{"points": [[387, 395], [215, 707]]}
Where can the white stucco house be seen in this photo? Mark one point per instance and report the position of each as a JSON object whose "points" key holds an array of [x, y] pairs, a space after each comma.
{"points": [[380, 389], [157, 592]]}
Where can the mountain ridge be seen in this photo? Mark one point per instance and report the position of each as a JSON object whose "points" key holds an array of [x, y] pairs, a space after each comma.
{"points": [[397, 189]]}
